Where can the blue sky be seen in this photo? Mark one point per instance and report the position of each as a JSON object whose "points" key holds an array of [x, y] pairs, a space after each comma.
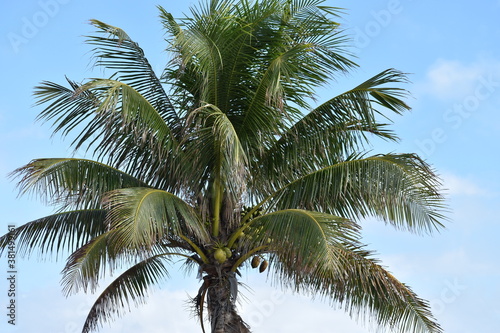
{"points": [[451, 50]]}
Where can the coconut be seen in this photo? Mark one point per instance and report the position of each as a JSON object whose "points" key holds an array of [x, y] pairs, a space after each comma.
{"points": [[220, 255], [263, 266], [228, 252], [255, 261]]}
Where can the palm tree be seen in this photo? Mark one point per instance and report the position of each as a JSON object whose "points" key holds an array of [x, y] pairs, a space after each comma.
{"points": [[229, 167]]}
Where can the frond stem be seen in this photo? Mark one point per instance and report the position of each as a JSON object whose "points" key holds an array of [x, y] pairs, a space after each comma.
{"points": [[196, 249], [217, 205], [246, 256], [238, 231]]}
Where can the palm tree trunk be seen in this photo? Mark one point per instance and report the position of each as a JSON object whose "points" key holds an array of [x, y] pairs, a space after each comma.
{"points": [[221, 307]]}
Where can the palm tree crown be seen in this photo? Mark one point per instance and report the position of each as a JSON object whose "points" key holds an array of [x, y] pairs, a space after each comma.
{"points": [[230, 166]]}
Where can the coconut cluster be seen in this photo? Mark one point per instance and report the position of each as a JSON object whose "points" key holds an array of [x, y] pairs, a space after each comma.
{"points": [[257, 262], [245, 210], [221, 254]]}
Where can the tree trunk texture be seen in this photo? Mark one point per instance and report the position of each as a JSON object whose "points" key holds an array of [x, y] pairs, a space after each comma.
{"points": [[222, 308]]}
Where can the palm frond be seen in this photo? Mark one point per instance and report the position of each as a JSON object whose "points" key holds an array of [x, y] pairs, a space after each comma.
{"points": [[117, 96], [335, 129], [169, 23], [299, 238], [367, 291], [215, 135], [311, 146], [361, 103], [56, 234], [130, 287], [263, 113], [120, 124], [198, 46], [400, 189], [141, 217], [287, 73], [133, 134], [66, 109], [307, 22], [86, 265], [116, 51], [72, 182]]}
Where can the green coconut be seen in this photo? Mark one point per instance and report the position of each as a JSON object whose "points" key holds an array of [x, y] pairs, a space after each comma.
{"points": [[228, 252], [220, 255]]}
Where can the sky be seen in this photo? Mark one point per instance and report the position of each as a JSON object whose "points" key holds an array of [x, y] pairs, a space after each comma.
{"points": [[451, 52]]}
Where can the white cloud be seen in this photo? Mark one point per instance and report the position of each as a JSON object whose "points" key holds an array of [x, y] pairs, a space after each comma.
{"points": [[265, 308], [455, 185], [448, 78], [453, 79], [461, 262], [270, 310]]}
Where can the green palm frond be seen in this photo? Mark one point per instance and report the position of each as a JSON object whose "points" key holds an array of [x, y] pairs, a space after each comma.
{"points": [[335, 129], [134, 135], [119, 97], [359, 105], [396, 188], [130, 287], [72, 182], [142, 217], [321, 254], [213, 131], [299, 238], [363, 102], [120, 124], [307, 23], [366, 290], [86, 265], [56, 234], [308, 11], [66, 109], [200, 47], [263, 113], [169, 23], [311, 146], [116, 51]]}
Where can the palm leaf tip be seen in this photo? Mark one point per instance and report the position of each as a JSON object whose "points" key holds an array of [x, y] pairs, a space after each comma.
{"points": [[111, 30], [131, 287], [56, 234]]}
